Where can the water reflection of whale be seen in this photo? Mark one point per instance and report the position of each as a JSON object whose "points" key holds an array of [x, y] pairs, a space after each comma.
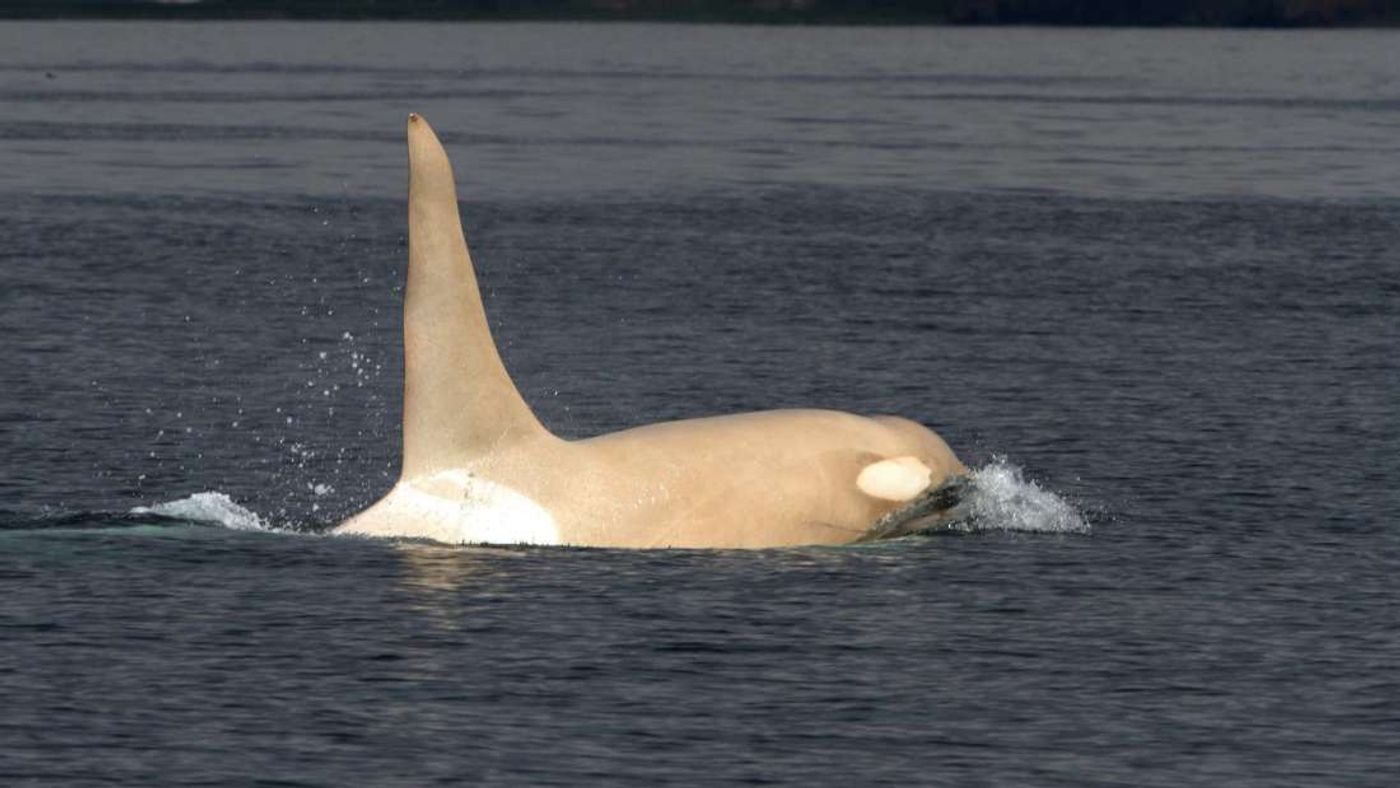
{"points": [[444, 582], [479, 467]]}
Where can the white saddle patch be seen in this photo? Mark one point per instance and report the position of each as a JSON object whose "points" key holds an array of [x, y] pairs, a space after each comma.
{"points": [[459, 507]]}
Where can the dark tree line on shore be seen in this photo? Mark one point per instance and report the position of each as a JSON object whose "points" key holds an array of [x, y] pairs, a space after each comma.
{"points": [[1056, 12]]}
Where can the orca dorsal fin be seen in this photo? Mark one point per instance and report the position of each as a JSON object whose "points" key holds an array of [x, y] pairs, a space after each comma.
{"points": [[459, 401]]}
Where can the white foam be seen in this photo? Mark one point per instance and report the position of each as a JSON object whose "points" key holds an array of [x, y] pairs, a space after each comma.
{"points": [[214, 508], [1002, 499]]}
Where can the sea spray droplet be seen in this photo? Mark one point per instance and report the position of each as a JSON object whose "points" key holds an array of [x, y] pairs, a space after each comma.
{"points": [[1002, 499]]}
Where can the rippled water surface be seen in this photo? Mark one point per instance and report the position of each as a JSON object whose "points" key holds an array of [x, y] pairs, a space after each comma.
{"points": [[1147, 282]]}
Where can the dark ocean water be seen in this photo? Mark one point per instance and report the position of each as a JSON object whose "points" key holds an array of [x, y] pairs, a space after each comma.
{"points": [[1148, 281]]}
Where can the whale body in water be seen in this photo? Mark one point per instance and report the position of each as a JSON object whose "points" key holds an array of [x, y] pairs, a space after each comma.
{"points": [[478, 467]]}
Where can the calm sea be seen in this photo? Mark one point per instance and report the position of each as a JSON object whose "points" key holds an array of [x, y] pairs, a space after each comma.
{"points": [[1147, 282]]}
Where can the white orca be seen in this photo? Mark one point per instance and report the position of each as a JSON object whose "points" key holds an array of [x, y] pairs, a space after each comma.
{"points": [[478, 467]]}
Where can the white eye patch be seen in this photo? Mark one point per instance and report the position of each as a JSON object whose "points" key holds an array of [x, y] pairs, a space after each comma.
{"points": [[895, 479]]}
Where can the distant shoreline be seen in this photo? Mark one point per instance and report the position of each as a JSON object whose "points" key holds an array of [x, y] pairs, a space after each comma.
{"points": [[1275, 14]]}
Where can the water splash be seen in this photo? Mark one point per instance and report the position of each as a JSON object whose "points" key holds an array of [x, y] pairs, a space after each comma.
{"points": [[1003, 499], [212, 508]]}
